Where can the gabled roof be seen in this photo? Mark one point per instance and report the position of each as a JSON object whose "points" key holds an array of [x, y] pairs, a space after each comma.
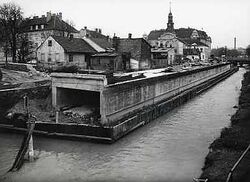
{"points": [[102, 42], [53, 24], [74, 45]]}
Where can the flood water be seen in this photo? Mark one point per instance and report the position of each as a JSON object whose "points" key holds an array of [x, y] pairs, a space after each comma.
{"points": [[170, 148]]}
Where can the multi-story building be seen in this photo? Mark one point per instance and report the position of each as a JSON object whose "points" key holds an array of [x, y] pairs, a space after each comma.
{"points": [[164, 41], [38, 29], [138, 49]]}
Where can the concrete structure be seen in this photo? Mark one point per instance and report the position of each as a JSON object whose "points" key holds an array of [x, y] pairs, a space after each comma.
{"points": [[124, 99]]}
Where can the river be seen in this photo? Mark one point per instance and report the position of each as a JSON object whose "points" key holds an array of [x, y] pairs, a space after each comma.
{"points": [[170, 148]]}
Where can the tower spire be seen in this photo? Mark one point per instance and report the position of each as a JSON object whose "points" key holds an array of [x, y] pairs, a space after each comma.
{"points": [[169, 6], [170, 24]]}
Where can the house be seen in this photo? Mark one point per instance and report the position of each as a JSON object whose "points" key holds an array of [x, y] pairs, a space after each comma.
{"points": [[138, 49], [38, 29], [162, 57], [58, 50], [199, 48], [180, 39]]}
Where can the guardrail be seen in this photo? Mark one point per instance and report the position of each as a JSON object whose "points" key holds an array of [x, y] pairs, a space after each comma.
{"points": [[230, 174]]}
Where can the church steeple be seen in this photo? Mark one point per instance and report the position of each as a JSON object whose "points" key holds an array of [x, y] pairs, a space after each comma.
{"points": [[170, 25]]}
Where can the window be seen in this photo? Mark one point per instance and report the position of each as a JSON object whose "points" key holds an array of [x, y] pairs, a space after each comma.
{"points": [[201, 49], [31, 27], [57, 57], [49, 57], [42, 57], [36, 27], [70, 58], [42, 26], [49, 43]]}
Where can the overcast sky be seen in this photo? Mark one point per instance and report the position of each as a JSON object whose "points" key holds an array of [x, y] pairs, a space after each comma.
{"points": [[221, 19]]}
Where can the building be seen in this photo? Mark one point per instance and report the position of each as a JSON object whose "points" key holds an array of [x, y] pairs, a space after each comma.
{"points": [[97, 33], [38, 29], [138, 49], [59, 50], [179, 39]]}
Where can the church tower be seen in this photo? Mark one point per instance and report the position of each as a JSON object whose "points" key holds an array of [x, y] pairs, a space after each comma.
{"points": [[170, 25]]}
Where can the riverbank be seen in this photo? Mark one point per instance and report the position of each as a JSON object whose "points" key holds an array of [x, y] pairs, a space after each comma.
{"points": [[226, 149]]}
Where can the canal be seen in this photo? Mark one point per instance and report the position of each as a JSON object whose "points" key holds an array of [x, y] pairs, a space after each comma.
{"points": [[170, 148]]}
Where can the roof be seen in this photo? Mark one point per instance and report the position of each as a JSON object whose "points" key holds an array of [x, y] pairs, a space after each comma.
{"points": [[193, 41], [182, 33], [53, 24], [155, 34], [134, 41], [161, 50], [102, 42], [95, 34], [105, 54], [74, 45]]}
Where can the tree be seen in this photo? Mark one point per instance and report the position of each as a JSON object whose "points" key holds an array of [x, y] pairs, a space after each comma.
{"points": [[4, 42], [23, 50], [10, 19], [233, 53], [248, 51]]}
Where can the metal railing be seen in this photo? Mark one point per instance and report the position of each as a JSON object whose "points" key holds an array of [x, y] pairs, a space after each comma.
{"points": [[230, 174]]}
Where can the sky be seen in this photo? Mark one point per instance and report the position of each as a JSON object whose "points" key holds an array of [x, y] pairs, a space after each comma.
{"points": [[221, 19]]}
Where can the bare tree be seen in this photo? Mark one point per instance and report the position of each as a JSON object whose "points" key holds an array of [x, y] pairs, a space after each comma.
{"points": [[10, 19]]}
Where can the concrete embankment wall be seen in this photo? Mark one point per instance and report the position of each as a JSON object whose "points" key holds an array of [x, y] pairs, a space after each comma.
{"points": [[129, 97], [151, 112]]}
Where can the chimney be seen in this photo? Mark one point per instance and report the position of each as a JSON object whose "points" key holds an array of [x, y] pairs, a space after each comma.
{"points": [[100, 30], [48, 18], [85, 27], [96, 29], [43, 16], [60, 15], [34, 17], [115, 42], [234, 42], [130, 35]]}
